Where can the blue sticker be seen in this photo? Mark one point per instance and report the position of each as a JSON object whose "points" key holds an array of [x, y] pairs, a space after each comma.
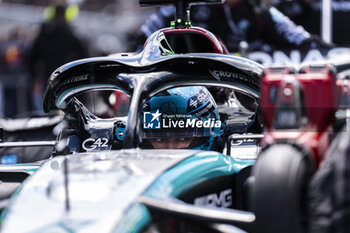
{"points": [[120, 134], [9, 159]]}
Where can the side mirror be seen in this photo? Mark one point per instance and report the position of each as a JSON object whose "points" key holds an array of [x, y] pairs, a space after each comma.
{"points": [[243, 146]]}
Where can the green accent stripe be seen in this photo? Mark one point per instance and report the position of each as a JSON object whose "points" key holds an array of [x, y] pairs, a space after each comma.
{"points": [[136, 219], [177, 180], [194, 170]]}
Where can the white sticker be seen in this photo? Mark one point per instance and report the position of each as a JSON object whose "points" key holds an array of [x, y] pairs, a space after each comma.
{"points": [[95, 143]]}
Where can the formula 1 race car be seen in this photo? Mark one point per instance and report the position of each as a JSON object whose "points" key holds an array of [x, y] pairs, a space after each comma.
{"points": [[168, 140], [161, 141]]}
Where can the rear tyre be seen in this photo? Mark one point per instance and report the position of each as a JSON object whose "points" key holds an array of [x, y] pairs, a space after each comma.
{"points": [[278, 196]]}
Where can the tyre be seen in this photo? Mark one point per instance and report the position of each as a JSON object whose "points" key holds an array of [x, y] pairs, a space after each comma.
{"points": [[278, 196]]}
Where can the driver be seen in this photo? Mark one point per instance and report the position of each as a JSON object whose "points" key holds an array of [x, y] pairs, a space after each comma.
{"points": [[181, 118]]}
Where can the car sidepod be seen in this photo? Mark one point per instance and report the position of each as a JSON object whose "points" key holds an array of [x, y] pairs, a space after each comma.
{"points": [[206, 179]]}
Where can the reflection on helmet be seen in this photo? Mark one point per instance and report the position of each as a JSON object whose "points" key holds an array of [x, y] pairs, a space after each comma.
{"points": [[185, 117]]}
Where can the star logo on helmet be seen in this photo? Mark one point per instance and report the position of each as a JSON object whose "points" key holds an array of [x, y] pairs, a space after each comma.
{"points": [[156, 115]]}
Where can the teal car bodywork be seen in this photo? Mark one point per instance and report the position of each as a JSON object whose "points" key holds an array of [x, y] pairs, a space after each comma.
{"points": [[103, 190]]}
